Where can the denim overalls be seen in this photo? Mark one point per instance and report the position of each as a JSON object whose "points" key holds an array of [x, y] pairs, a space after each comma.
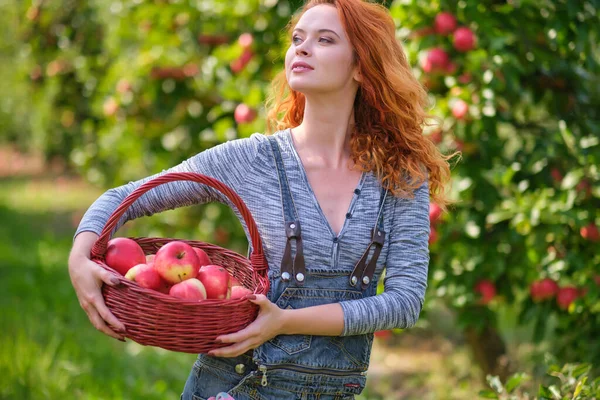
{"points": [[298, 367]]}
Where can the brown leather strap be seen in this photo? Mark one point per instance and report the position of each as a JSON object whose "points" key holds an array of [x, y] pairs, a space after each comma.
{"points": [[364, 272], [295, 267]]}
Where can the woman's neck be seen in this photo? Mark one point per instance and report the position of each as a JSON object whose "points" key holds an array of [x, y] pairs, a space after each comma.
{"points": [[323, 137]]}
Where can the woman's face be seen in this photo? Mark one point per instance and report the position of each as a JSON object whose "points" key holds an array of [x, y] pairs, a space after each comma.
{"points": [[319, 41]]}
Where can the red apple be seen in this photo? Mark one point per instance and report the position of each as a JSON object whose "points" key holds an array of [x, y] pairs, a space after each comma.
{"points": [[451, 68], [145, 276], [544, 289], [123, 254], [436, 136], [190, 289], [435, 212], [385, 335], [244, 114], [235, 282], [433, 235], [566, 295], [110, 107], [216, 280], [426, 64], [202, 257], [239, 292], [464, 78], [245, 40], [585, 187], [464, 39], [590, 232], [486, 289], [556, 175], [444, 23], [164, 287], [438, 58], [460, 109], [176, 261]]}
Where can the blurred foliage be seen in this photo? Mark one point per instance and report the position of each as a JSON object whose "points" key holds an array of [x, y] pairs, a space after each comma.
{"points": [[120, 90], [569, 381]]}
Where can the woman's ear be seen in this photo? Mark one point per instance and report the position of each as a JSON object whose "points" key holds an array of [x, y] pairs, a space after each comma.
{"points": [[357, 76]]}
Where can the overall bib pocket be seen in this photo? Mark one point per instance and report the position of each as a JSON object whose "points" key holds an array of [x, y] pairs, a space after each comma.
{"points": [[296, 298]]}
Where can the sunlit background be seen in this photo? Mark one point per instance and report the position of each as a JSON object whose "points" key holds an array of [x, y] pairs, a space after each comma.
{"points": [[96, 93]]}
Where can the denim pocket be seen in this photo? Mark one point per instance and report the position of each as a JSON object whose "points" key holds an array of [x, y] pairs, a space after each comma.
{"points": [[296, 298]]}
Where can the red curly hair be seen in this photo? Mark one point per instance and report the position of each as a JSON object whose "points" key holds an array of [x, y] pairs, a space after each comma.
{"points": [[389, 108]]}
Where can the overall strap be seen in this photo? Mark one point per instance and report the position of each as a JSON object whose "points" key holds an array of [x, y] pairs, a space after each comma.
{"points": [[289, 267], [364, 271]]}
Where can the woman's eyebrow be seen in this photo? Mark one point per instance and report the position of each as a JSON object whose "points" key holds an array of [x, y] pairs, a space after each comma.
{"points": [[320, 31]]}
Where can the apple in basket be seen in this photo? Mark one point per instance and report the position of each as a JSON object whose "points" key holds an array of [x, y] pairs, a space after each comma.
{"points": [[176, 261], [239, 292], [145, 275], [190, 289], [123, 254], [202, 257], [216, 280]]}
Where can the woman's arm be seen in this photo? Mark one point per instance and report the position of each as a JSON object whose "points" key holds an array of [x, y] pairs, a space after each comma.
{"points": [[405, 282], [229, 162]]}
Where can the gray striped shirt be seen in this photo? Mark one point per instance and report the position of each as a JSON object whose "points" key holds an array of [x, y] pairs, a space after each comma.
{"points": [[248, 167]]}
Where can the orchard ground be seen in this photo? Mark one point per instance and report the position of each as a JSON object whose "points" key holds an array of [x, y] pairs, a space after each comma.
{"points": [[49, 349]]}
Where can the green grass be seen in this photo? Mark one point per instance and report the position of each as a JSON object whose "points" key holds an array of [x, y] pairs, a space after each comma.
{"points": [[48, 348]]}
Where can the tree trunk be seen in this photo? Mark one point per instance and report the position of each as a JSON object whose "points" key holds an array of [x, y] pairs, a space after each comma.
{"points": [[489, 351]]}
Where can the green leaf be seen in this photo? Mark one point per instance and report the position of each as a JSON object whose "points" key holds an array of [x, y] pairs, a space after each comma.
{"points": [[580, 370], [579, 388], [488, 394], [515, 381]]}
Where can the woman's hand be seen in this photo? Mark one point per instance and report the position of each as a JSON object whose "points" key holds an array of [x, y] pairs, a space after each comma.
{"points": [[267, 325], [87, 278]]}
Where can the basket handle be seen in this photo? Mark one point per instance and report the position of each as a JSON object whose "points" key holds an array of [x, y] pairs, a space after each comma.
{"points": [[257, 258]]}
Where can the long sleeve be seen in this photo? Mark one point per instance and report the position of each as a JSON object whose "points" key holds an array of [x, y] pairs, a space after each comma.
{"points": [[230, 163], [405, 281]]}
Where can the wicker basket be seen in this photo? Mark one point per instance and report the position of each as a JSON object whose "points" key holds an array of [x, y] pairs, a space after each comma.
{"points": [[156, 319]]}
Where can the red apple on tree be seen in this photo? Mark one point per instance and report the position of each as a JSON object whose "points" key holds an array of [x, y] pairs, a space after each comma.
{"points": [[435, 212], [556, 175], [460, 109], [245, 40], [566, 295], [444, 23], [216, 280], [123, 254], [590, 232], [486, 290], [176, 261], [145, 276], [433, 235], [543, 289], [438, 58], [464, 39], [190, 289], [244, 114]]}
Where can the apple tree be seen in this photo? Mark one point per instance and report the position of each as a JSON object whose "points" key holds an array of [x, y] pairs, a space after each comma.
{"points": [[515, 86]]}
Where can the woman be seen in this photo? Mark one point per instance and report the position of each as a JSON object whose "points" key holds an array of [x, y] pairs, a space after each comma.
{"points": [[348, 162]]}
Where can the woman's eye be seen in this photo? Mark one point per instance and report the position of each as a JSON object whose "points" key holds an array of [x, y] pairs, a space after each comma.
{"points": [[326, 40], [294, 39]]}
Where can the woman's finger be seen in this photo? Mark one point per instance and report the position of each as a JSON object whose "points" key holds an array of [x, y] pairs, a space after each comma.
{"points": [[99, 323], [108, 317], [234, 350]]}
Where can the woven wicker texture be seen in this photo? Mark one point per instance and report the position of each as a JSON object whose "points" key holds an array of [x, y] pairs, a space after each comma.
{"points": [[156, 319]]}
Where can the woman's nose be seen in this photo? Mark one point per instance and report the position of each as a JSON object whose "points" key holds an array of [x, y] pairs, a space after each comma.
{"points": [[302, 49]]}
